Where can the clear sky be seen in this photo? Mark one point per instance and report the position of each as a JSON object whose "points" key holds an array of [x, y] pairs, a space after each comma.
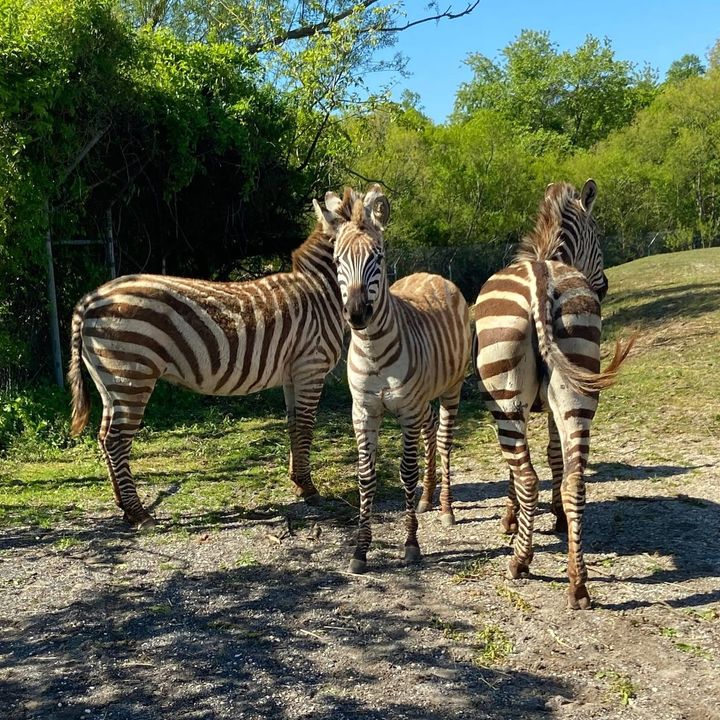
{"points": [[640, 31]]}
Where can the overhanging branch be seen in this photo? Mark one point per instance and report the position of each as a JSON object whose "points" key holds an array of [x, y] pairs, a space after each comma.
{"points": [[320, 27]]}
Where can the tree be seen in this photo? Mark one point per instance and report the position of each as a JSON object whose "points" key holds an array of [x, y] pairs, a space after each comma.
{"points": [[319, 53], [687, 66], [561, 100]]}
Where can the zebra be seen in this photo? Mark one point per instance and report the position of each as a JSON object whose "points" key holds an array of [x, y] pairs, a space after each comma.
{"points": [[537, 347], [410, 344], [216, 338]]}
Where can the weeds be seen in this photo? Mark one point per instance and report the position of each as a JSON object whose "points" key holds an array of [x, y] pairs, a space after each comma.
{"points": [[494, 646], [619, 685], [514, 598], [474, 570]]}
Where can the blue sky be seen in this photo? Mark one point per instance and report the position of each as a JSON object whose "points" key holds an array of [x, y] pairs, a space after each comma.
{"points": [[640, 31]]}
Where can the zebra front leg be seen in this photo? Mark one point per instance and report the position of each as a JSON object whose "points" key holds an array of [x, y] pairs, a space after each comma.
{"points": [[302, 400], [509, 521], [366, 424], [555, 461], [410, 474], [429, 434], [449, 404]]}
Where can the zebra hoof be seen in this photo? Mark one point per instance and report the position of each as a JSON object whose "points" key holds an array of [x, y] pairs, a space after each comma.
{"points": [[509, 525], [423, 506], [579, 598], [146, 524], [412, 554], [447, 519], [313, 499], [357, 566], [142, 522], [561, 525], [517, 569]]}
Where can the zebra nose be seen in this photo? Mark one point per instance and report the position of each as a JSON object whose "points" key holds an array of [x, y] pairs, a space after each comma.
{"points": [[358, 313]]}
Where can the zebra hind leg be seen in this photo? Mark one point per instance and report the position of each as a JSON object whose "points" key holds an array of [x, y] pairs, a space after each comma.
{"points": [[449, 404], [429, 435], [573, 414], [301, 399], [120, 423]]}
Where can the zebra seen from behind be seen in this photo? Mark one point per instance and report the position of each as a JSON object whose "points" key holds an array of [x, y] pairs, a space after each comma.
{"points": [[410, 344], [537, 340], [216, 338]]}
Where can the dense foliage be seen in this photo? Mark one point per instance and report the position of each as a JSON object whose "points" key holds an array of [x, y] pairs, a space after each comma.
{"points": [[202, 131]]}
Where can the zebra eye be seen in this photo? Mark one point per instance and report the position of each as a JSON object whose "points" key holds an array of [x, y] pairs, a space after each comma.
{"points": [[379, 256]]}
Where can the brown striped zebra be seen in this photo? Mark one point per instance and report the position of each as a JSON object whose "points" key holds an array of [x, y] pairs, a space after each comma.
{"points": [[410, 344], [538, 327], [215, 338]]}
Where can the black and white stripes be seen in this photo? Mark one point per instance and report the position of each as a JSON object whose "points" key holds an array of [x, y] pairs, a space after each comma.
{"points": [[214, 338], [538, 338], [410, 345]]}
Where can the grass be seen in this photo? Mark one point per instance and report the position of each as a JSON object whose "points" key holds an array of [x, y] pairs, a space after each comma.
{"points": [[619, 685], [199, 460], [494, 646]]}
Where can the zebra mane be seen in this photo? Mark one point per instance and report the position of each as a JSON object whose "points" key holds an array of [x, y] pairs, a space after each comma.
{"points": [[546, 239], [317, 245]]}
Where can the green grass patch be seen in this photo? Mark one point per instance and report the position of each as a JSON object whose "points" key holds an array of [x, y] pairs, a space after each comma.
{"points": [[620, 686]]}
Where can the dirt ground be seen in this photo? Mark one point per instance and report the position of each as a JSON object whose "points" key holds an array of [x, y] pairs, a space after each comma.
{"points": [[256, 617]]}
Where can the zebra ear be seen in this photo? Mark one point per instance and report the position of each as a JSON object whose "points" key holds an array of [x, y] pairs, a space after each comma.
{"points": [[333, 202], [588, 194], [325, 218], [378, 205], [547, 190]]}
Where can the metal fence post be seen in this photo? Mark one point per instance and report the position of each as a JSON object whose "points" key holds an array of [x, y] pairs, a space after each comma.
{"points": [[110, 244], [52, 304]]}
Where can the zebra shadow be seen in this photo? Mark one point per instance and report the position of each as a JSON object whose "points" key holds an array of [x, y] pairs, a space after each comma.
{"points": [[666, 540], [254, 641]]}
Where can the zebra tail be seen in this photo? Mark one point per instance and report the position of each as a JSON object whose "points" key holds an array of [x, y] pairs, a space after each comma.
{"points": [[578, 378], [80, 397]]}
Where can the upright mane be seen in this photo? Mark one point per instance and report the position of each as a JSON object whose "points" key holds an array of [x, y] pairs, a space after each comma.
{"points": [[319, 243], [545, 240]]}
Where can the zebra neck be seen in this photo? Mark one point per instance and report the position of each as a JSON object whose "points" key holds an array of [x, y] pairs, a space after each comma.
{"points": [[382, 332]]}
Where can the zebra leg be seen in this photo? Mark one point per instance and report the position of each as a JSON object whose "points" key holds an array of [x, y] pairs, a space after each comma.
{"points": [[512, 426], [573, 415], [410, 475], [555, 461], [121, 420], [301, 399], [449, 404], [509, 521], [366, 423], [429, 435]]}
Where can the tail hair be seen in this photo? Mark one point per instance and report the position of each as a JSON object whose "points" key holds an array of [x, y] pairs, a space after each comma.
{"points": [[80, 397], [579, 379]]}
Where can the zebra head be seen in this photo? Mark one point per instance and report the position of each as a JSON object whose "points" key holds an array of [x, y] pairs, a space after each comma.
{"points": [[581, 236], [359, 253]]}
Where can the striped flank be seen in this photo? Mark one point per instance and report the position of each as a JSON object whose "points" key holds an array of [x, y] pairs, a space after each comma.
{"points": [[213, 338]]}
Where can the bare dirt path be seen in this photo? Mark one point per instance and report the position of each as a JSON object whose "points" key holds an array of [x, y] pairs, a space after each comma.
{"points": [[257, 618]]}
